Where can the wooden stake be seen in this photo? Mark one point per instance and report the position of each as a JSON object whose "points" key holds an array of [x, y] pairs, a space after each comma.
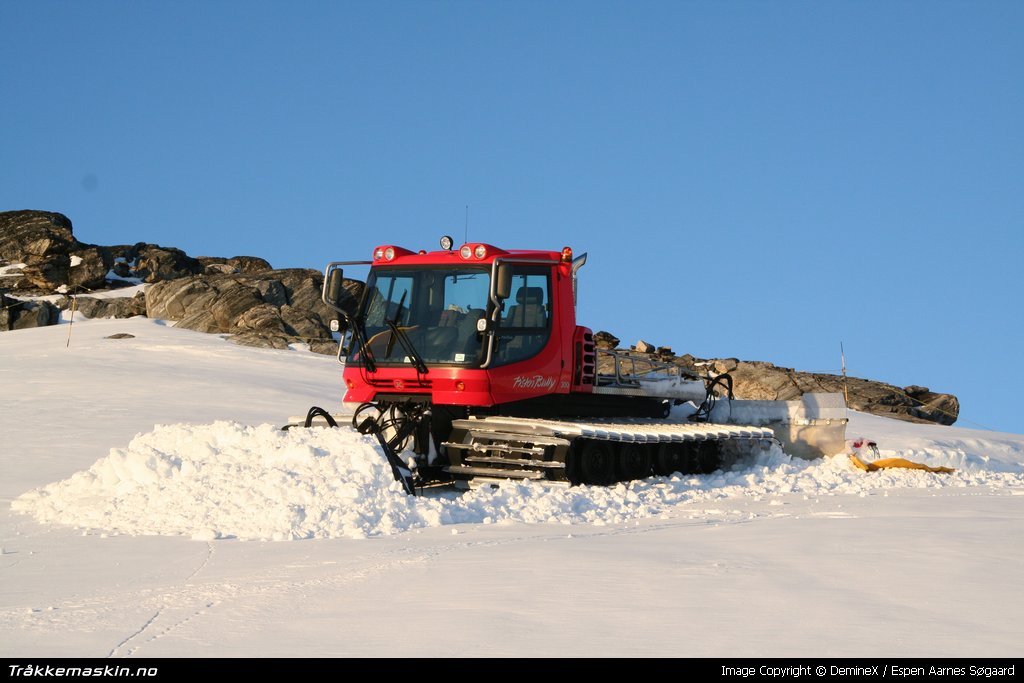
{"points": [[846, 388], [71, 321]]}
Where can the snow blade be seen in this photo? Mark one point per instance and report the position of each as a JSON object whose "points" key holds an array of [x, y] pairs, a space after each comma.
{"points": [[398, 468]]}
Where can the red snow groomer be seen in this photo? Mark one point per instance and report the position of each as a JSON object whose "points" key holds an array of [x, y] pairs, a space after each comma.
{"points": [[469, 365]]}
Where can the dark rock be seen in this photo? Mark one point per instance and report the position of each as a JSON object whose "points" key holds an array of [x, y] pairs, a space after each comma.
{"points": [[44, 275], [35, 314], [20, 315], [7, 313], [215, 265], [234, 299], [261, 340], [605, 340], [236, 265], [272, 292], [941, 408], [304, 324], [120, 335], [115, 283], [248, 264], [154, 263], [218, 269], [325, 347], [34, 233], [200, 320], [121, 269], [725, 365], [174, 299], [117, 307], [88, 268], [54, 259], [262, 318]]}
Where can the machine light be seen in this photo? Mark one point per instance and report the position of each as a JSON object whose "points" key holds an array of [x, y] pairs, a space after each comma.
{"points": [[480, 251], [460, 386], [389, 253], [378, 253], [447, 242], [566, 254], [466, 251]]}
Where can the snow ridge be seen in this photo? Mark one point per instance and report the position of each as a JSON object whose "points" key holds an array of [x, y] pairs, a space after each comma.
{"points": [[228, 480]]}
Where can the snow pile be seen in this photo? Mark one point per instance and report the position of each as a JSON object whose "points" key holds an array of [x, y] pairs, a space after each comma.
{"points": [[226, 480]]}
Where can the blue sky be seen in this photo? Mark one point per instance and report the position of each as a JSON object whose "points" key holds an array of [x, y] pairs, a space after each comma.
{"points": [[761, 179]]}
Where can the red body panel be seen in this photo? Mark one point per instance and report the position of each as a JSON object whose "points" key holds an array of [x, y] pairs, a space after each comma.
{"points": [[551, 371]]}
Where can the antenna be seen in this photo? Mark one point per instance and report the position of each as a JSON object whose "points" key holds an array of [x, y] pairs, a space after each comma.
{"points": [[464, 241], [846, 388]]}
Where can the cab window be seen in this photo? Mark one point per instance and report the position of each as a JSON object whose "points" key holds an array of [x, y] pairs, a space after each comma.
{"points": [[525, 322]]}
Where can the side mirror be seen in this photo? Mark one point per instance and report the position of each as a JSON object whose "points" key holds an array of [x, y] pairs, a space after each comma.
{"points": [[503, 285], [332, 288]]}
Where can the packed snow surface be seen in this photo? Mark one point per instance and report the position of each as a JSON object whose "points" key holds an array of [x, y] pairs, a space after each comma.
{"points": [[227, 480]]}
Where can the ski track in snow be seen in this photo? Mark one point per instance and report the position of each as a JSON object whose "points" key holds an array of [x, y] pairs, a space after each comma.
{"points": [[133, 636], [226, 480], [177, 604], [206, 561]]}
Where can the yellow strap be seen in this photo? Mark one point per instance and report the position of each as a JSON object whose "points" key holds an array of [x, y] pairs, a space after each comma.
{"points": [[899, 463]]}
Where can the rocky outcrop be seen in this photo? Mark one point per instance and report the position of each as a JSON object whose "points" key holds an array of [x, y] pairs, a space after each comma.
{"points": [[153, 263], [271, 308], [54, 260], [234, 265], [760, 380], [118, 307], [241, 295]]}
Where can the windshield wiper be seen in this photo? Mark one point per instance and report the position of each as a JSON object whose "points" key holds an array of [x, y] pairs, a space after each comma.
{"points": [[404, 340], [364, 346]]}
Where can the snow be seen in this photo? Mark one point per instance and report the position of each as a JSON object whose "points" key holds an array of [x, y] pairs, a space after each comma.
{"points": [[120, 292], [111, 275], [227, 480], [153, 509], [12, 269]]}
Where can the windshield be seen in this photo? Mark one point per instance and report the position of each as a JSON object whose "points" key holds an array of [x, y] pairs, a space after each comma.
{"points": [[437, 308]]}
